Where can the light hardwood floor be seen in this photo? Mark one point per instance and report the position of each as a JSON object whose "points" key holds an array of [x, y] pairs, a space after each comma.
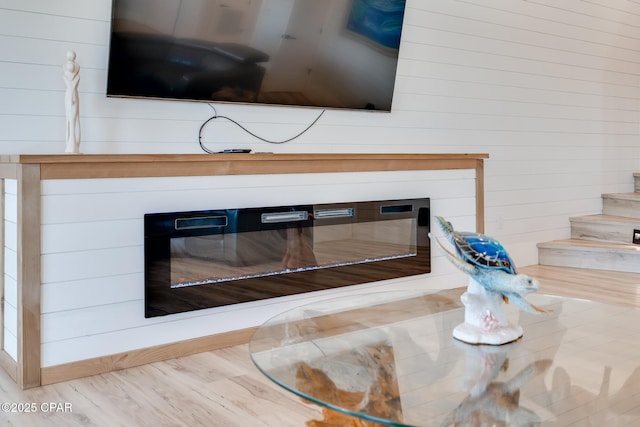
{"points": [[223, 388]]}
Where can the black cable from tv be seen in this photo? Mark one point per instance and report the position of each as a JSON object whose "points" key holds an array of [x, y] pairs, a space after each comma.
{"points": [[216, 116]]}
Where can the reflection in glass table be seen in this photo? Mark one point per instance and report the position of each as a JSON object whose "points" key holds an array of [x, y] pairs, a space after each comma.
{"points": [[389, 358]]}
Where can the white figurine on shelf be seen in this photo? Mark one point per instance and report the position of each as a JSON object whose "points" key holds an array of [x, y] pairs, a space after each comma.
{"points": [[72, 103], [493, 279]]}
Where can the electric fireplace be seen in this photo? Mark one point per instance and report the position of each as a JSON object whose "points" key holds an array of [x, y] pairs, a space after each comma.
{"points": [[202, 259]]}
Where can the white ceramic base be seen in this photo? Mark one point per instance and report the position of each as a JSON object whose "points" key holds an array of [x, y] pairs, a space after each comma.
{"points": [[484, 319], [473, 335]]}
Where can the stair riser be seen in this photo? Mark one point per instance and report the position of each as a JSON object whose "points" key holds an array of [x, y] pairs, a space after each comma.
{"points": [[604, 232], [621, 207], [601, 242], [581, 258]]}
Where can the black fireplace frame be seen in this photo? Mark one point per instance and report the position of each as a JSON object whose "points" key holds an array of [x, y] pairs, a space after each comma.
{"points": [[163, 299]]}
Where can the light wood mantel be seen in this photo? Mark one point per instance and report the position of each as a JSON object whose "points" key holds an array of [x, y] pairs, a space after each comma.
{"points": [[30, 170], [68, 166]]}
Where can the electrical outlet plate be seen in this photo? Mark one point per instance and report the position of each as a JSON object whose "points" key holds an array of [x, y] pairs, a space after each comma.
{"points": [[636, 237]]}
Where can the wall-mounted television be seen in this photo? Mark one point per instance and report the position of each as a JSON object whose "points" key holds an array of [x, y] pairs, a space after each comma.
{"points": [[316, 53]]}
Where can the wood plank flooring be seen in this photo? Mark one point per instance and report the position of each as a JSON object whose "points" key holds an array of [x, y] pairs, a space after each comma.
{"points": [[223, 388]]}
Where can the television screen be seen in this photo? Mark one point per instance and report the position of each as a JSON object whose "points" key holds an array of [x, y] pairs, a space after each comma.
{"points": [[317, 53]]}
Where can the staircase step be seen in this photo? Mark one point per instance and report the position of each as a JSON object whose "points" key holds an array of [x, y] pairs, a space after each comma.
{"points": [[604, 228], [587, 254], [621, 204]]}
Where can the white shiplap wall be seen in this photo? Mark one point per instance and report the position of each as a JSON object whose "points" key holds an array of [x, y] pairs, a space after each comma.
{"points": [[93, 253], [10, 319], [548, 88]]}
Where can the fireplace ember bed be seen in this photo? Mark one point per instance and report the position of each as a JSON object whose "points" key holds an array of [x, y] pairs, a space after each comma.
{"points": [[202, 259]]}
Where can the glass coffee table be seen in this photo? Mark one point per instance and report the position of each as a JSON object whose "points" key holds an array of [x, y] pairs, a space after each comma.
{"points": [[389, 358]]}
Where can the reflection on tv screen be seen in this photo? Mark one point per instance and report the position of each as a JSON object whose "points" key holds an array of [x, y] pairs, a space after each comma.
{"points": [[329, 54]]}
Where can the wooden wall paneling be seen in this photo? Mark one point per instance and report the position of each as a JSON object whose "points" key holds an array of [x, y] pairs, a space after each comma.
{"points": [[96, 10], [8, 319], [2, 280], [94, 291], [121, 210], [11, 240], [29, 273], [10, 269], [54, 26], [52, 53], [81, 236], [122, 319], [76, 206], [94, 263]]}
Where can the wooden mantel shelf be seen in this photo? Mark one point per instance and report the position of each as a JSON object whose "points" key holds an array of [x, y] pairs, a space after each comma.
{"points": [[73, 166]]}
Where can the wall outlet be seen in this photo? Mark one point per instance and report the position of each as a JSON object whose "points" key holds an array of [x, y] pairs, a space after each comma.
{"points": [[636, 237]]}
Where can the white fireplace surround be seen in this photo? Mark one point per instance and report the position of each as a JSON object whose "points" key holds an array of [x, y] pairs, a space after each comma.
{"points": [[73, 245]]}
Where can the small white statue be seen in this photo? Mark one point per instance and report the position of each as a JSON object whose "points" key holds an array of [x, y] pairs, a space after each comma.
{"points": [[493, 280], [484, 319], [71, 74]]}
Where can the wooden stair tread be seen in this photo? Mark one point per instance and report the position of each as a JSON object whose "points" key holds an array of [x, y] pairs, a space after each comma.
{"points": [[603, 241], [622, 196], [578, 276], [604, 228], [590, 245], [597, 255], [606, 219]]}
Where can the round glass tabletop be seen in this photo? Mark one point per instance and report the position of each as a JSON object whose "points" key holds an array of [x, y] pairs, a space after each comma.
{"points": [[390, 358]]}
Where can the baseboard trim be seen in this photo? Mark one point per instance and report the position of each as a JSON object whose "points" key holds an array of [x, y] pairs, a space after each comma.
{"points": [[9, 365], [129, 359]]}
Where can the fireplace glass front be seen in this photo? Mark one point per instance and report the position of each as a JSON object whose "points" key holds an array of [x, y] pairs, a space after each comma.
{"points": [[203, 259]]}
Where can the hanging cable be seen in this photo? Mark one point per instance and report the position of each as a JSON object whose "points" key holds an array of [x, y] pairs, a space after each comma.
{"points": [[216, 116]]}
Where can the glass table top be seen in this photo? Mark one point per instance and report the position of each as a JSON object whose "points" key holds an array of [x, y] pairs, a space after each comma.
{"points": [[389, 358]]}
